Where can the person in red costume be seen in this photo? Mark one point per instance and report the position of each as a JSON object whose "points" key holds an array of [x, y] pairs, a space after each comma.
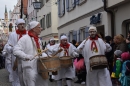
{"points": [[90, 47], [27, 50], [68, 49], [12, 41]]}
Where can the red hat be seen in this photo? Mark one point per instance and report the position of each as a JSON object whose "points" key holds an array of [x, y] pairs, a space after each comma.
{"points": [[125, 56]]}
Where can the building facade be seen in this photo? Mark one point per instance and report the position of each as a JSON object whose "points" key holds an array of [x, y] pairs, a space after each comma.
{"points": [[76, 16], [48, 17], [15, 14], [121, 12]]}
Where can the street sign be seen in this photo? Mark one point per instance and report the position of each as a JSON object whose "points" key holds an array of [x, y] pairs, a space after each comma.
{"points": [[37, 5]]}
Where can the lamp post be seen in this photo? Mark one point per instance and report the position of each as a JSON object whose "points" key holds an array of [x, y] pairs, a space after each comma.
{"points": [[37, 5]]}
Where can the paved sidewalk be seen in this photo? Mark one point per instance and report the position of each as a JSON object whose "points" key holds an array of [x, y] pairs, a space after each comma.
{"points": [[4, 81]]}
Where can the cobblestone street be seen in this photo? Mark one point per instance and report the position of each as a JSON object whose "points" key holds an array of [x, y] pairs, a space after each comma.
{"points": [[5, 82]]}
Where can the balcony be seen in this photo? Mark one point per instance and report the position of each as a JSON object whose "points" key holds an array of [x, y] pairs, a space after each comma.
{"points": [[112, 3]]}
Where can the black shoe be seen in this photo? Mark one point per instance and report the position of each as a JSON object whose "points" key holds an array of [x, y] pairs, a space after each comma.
{"points": [[51, 80], [78, 81]]}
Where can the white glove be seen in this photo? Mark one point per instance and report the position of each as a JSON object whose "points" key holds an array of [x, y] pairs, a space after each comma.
{"points": [[108, 47], [10, 49], [75, 54], [82, 46], [29, 57]]}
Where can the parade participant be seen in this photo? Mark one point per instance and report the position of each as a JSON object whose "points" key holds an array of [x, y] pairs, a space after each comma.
{"points": [[12, 41], [8, 66], [25, 50], [93, 46], [50, 45], [68, 50]]}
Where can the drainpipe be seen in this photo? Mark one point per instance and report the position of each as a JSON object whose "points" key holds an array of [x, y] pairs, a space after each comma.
{"points": [[21, 9], [112, 17]]}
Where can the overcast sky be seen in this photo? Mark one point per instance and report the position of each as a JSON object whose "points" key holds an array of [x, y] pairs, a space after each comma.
{"points": [[9, 4]]}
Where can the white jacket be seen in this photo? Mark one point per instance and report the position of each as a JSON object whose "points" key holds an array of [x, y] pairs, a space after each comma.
{"points": [[65, 72], [23, 48]]}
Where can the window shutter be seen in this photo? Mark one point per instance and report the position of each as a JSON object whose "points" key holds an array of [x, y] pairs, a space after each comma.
{"points": [[43, 26], [67, 5], [78, 36], [59, 8], [63, 9], [74, 35], [49, 19], [69, 37], [74, 3], [77, 2], [86, 32]]}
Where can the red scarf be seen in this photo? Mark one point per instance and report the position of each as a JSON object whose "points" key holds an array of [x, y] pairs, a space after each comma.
{"points": [[21, 32], [36, 39], [66, 47], [93, 44]]}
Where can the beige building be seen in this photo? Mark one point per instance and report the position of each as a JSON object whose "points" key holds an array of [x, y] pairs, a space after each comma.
{"points": [[76, 16], [121, 10], [48, 17]]}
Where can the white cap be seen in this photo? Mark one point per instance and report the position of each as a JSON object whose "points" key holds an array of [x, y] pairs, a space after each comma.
{"points": [[63, 37], [92, 28], [18, 21], [32, 25], [51, 39]]}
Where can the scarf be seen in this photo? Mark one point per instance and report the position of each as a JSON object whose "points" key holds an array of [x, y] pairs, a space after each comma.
{"points": [[66, 47], [21, 32], [93, 44], [36, 39]]}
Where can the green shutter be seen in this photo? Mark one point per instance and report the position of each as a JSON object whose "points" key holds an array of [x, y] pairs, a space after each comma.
{"points": [[49, 19]]}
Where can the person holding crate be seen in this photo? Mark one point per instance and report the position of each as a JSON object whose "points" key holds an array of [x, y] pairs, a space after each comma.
{"points": [[28, 50], [68, 52], [93, 50]]}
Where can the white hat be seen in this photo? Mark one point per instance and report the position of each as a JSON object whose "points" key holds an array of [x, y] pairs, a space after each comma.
{"points": [[63, 37], [92, 28], [18, 21], [51, 39], [118, 53], [32, 25]]}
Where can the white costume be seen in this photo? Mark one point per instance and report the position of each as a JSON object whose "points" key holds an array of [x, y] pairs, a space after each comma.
{"points": [[26, 49], [12, 41], [65, 72], [8, 63], [99, 77]]}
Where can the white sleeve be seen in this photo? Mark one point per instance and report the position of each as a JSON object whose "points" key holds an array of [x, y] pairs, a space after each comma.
{"points": [[18, 50], [108, 47], [80, 47]]}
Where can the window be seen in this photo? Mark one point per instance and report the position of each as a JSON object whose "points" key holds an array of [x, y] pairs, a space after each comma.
{"points": [[80, 2], [82, 33], [61, 8], [48, 20], [70, 5]]}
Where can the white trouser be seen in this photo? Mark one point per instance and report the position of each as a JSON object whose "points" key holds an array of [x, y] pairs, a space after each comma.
{"points": [[100, 77], [10, 70], [16, 79]]}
